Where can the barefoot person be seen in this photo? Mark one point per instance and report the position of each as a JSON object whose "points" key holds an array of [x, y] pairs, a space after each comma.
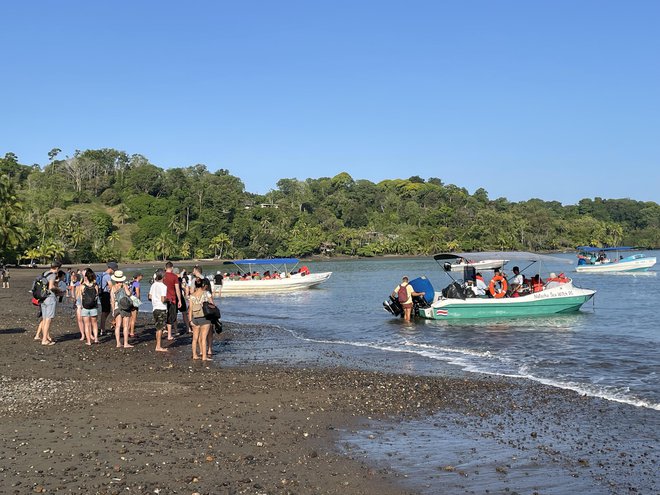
{"points": [[106, 307], [120, 301], [135, 292], [88, 293], [158, 298], [47, 307], [200, 325], [171, 281]]}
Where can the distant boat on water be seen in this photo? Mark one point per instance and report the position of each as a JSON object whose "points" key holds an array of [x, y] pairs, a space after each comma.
{"points": [[610, 260], [281, 275]]}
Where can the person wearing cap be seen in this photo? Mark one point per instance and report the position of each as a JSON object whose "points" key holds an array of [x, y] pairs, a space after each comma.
{"points": [[119, 291], [104, 293], [49, 304]]}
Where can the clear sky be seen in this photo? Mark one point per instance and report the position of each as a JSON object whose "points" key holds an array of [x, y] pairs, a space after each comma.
{"points": [[552, 99]]}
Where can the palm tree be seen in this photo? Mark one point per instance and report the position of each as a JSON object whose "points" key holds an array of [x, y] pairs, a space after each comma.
{"points": [[123, 212], [164, 245], [185, 250], [199, 253], [113, 238], [32, 254], [11, 228], [220, 241]]}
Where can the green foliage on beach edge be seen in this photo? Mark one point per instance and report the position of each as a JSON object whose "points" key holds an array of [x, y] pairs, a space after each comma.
{"points": [[106, 204]]}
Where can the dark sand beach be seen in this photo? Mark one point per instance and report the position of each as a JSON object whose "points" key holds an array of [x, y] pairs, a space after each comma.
{"points": [[81, 419]]}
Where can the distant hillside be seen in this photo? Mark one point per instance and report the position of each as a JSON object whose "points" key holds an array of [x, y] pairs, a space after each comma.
{"points": [[105, 204]]}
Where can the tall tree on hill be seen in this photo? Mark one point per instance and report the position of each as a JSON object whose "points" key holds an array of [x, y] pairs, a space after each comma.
{"points": [[11, 224]]}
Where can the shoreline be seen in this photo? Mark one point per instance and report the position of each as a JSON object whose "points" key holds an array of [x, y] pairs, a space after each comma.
{"points": [[100, 420]]}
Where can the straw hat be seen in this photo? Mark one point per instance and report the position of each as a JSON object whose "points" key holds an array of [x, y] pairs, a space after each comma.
{"points": [[118, 276]]}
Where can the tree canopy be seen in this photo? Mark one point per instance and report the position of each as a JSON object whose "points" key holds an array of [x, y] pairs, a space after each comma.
{"points": [[102, 204]]}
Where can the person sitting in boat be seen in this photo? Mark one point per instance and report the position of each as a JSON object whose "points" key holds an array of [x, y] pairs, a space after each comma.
{"points": [[304, 270], [516, 284], [267, 275], [404, 293], [537, 283], [554, 280], [479, 286]]}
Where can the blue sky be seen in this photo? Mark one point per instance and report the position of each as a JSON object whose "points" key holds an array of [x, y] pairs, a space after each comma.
{"points": [[552, 99]]}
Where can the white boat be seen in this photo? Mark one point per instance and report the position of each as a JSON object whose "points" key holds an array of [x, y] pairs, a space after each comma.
{"points": [[597, 260], [477, 265], [284, 281]]}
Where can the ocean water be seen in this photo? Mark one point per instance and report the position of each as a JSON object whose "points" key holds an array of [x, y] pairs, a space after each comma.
{"points": [[610, 349]]}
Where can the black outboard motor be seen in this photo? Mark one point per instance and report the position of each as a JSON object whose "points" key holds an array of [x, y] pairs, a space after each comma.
{"points": [[419, 302], [392, 305]]}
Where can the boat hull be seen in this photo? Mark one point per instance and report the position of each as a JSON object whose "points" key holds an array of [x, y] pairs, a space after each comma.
{"points": [[289, 284], [479, 265], [635, 265], [563, 299]]}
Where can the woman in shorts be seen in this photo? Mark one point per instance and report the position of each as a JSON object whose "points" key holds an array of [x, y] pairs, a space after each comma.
{"points": [[89, 315], [135, 292], [118, 292], [200, 325]]}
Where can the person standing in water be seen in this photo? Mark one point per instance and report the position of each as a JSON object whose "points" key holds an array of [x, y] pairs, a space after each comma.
{"points": [[404, 293]]}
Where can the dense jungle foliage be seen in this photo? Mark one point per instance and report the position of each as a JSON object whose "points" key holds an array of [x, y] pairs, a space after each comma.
{"points": [[105, 204]]}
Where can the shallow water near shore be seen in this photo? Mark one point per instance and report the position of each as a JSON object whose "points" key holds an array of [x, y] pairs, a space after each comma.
{"points": [[609, 351]]}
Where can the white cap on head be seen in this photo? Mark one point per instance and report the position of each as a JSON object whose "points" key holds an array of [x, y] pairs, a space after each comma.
{"points": [[553, 275]]}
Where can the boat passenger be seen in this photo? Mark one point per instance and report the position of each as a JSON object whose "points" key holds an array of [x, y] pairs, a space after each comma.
{"points": [[516, 283], [537, 283], [479, 287]]}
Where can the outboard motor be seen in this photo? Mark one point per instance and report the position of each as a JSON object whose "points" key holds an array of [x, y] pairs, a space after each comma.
{"points": [[392, 305], [419, 302]]}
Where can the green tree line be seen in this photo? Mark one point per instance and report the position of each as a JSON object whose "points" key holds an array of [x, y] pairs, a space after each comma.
{"points": [[106, 204]]}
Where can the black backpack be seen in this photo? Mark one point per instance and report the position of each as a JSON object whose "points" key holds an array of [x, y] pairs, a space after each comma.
{"points": [[40, 288], [89, 296]]}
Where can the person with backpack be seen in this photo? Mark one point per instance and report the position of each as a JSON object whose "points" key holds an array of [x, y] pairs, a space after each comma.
{"points": [[120, 301], [87, 293], [46, 291], [104, 284], [404, 293], [135, 293], [200, 325]]}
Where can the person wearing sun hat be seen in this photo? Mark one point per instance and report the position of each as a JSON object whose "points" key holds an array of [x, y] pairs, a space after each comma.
{"points": [[121, 312]]}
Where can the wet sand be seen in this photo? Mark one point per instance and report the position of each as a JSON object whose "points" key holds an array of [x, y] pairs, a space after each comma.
{"points": [[80, 419]]}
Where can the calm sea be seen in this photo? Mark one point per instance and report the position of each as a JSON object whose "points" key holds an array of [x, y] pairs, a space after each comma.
{"points": [[609, 349]]}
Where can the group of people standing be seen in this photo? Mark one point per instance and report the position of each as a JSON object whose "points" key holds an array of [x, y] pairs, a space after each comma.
{"points": [[119, 300]]}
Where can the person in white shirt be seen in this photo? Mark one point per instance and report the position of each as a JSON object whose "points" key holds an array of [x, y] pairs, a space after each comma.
{"points": [[479, 288], [517, 281], [158, 298]]}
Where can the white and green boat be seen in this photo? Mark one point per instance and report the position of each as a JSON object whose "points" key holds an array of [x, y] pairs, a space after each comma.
{"points": [[556, 295]]}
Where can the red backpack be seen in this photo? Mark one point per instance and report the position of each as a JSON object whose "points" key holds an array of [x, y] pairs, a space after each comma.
{"points": [[403, 293]]}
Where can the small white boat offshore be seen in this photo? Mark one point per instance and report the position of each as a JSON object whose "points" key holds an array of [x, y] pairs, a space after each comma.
{"points": [[461, 263], [612, 260], [272, 275], [460, 299]]}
